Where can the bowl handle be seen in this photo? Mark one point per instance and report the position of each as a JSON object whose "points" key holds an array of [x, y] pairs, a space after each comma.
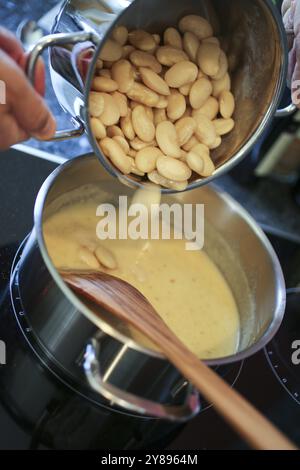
{"points": [[54, 40], [131, 402], [284, 112]]}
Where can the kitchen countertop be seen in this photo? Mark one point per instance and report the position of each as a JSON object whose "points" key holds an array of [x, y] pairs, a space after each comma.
{"points": [[269, 202]]}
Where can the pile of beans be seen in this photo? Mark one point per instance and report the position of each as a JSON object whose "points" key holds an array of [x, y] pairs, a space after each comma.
{"points": [[159, 106]]}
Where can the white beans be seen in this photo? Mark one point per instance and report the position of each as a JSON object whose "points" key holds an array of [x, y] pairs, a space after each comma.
{"points": [[200, 92], [160, 180], [123, 74], [122, 142], [160, 103], [106, 257], [89, 258], [176, 106], [186, 89], [154, 81], [210, 109], [160, 115], [173, 169], [217, 143], [146, 159], [111, 113], [185, 129], [212, 40], [199, 160], [120, 35], [142, 124], [197, 25], [134, 169], [99, 64], [169, 56], [96, 104], [143, 95], [223, 66], [143, 59], [190, 144], [98, 128], [167, 140], [122, 103], [181, 74], [156, 38], [104, 73], [138, 144], [142, 40], [191, 45], [149, 112], [223, 126], [205, 131], [116, 154], [127, 50], [111, 51], [132, 153], [224, 84], [113, 131], [195, 162], [188, 111], [172, 38], [208, 58], [209, 166], [127, 127], [104, 84], [227, 104]]}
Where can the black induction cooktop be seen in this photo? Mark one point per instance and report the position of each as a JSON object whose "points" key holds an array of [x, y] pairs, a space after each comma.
{"points": [[270, 380]]}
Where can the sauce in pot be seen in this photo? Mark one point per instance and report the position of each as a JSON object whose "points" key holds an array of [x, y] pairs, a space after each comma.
{"points": [[185, 287]]}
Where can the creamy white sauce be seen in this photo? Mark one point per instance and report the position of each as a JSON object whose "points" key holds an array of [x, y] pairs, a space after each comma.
{"points": [[186, 288]]}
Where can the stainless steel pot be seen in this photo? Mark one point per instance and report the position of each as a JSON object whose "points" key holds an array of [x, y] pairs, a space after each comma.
{"points": [[256, 43], [97, 352]]}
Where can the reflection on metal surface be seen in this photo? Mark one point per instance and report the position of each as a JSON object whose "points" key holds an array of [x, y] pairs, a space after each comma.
{"points": [[129, 401]]}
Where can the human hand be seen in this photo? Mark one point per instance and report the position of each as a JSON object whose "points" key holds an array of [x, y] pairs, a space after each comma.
{"points": [[24, 113], [291, 19]]}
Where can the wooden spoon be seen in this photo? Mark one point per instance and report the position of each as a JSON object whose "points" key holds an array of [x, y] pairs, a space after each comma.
{"points": [[128, 304]]}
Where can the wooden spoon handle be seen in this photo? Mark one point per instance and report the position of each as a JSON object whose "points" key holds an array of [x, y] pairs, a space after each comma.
{"points": [[257, 431], [128, 304]]}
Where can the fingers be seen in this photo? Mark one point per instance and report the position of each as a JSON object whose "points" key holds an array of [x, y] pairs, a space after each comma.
{"points": [[13, 48], [296, 9], [291, 65], [25, 103], [288, 19], [285, 6], [40, 75], [32, 114], [288, 14], [10, 44], [295, 82]]}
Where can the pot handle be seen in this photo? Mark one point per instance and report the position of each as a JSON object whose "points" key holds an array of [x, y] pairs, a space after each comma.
{"points": [[290, 109], [54, 40], [132, 402]]}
